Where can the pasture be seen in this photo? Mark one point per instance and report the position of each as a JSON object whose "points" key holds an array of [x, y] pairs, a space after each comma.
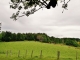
{"points": [[30, 50]]}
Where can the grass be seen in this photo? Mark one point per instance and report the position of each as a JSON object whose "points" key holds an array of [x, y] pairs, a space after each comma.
{"points": [[49, 51]]}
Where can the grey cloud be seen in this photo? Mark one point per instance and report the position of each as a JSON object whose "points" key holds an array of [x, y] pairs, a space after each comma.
{"points": [[52, 21]]}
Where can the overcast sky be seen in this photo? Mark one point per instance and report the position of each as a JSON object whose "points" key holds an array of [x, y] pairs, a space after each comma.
{"points": [[52, 22]]}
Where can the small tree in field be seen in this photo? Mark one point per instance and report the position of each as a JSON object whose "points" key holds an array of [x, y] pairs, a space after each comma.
{"points": [[40, 38], [31, 6]]}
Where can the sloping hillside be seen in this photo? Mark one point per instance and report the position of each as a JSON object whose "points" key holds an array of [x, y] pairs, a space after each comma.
{"points": [[22, 51]]}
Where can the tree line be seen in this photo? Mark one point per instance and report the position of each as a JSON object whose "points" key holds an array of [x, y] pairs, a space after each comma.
{"points": [[41, 37]]}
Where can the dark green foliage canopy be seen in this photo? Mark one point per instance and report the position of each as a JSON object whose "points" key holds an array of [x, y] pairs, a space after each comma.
{"points": [[72, 43], [42, 37]]}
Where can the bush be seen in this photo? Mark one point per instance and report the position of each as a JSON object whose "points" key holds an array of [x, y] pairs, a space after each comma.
{"points": [[72, 43]]}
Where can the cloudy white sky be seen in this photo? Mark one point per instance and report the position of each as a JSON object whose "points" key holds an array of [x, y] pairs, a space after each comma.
{"points": [[52, 22]]}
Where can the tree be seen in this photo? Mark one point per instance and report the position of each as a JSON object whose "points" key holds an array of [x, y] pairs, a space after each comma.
{"points": [[72, 42], [6, 36], [14, 37], [30, 6], [30, 36], [20, 37], [0, 36], [40, 37]]}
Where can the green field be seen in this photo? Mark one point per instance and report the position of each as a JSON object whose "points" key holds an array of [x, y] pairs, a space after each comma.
{"points": [[10, 51]]}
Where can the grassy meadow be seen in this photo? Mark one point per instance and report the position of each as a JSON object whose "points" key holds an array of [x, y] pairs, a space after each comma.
{"points": [[11, 50]]}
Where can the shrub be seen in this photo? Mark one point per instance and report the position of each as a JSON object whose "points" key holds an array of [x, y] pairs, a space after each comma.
{"points": [[72, 43]]}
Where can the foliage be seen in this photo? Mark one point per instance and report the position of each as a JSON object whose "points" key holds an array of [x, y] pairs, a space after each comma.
{"points": [[72, 43], [0, 36], [42, 37], [31, 6]]}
